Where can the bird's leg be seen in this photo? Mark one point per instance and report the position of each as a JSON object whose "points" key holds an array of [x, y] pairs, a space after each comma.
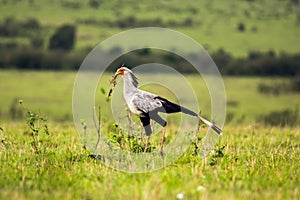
{"points": [[163, 123], [163, 138], [146, 145], [146, 124]]}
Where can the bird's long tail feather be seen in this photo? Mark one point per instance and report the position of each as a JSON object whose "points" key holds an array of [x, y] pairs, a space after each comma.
{"points": [[212, 125], [170, 107], [208, 123]]}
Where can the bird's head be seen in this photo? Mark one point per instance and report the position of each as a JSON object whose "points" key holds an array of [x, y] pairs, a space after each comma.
{"points": [[121, 71]]}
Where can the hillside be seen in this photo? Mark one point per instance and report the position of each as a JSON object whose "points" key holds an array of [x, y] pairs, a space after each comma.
{"points": [[235, 26]]}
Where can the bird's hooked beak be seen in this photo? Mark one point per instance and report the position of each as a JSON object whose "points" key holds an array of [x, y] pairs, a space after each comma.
{"points": [[117, 74], [120, 71]]}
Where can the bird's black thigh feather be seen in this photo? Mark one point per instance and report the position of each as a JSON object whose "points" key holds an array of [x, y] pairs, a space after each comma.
{"points": [[154, 116], [145, 119], [146, 124]]}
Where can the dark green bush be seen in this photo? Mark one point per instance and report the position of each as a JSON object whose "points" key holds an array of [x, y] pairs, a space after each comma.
{"points": [[131, 21], [280, 87], [71, 4], [11, 27], [286, 117], [63, 38], [37, 42], [295, 84], [31, 24], [241, 27], [60, 57], [94, 3], [28, 59]]}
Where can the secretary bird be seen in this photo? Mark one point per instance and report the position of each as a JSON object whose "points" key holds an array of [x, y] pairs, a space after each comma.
{"points": [[147, 105]]}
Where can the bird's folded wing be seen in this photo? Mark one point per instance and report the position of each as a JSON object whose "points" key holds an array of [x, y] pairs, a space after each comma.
{"points": [[145, 101]]}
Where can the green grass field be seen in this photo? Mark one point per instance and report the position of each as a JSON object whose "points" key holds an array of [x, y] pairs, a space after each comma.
{"points": [[51, 93], [255, 163], [256, 158], [251, 160]]}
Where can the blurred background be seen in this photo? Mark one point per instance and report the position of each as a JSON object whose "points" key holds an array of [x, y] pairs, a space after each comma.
{"points": [[255, 44]]}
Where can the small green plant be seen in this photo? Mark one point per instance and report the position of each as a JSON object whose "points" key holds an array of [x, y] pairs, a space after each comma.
{"points": [[38, 129], [126, 141], [84, 126], [2, 137], [98, 125], [215, 155], [15, 112]]}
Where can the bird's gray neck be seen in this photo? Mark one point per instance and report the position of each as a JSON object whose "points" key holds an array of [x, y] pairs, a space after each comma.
{"points": [[130, 84]]}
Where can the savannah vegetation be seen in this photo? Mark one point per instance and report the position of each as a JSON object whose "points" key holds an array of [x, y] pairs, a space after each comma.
{"points": [[43, 156], [255, 44]]}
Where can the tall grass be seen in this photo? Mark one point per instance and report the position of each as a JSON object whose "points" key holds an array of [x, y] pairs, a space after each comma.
{"points": [[250, 162]]}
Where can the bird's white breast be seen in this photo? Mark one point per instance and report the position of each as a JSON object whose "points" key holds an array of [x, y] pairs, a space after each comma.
{"points": [[133, 108]]}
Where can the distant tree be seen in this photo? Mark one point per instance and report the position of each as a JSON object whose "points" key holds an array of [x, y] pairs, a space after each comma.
{"points": [[10, 27], [144, 52], [188, 22], [31, 24], [37, 42], [253, 55], [94, 3], [298, 12], [127, 21], [241, 27], [31, 2], [297, 4], [71, 4], [63, 38], [115, 50], [221, 57], [296, 84]]}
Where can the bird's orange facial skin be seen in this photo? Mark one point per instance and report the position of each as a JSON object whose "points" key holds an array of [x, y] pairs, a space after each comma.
{"points": [[121, 71]]}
